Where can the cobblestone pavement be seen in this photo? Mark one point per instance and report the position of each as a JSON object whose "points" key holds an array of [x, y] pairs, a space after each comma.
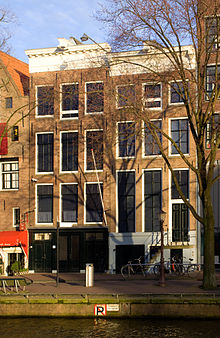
{"points": [[106, 284]]}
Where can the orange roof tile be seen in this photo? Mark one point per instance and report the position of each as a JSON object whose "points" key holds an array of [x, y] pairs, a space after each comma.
{"points": [[18, 70]]}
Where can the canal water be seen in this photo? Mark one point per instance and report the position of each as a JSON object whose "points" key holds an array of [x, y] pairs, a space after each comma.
{"points": [[60, 327]]}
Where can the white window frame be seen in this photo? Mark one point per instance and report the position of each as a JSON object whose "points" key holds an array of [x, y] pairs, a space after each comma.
{"points": [[61, 152], [143, 139], [91, 113], [2, 173], [117, 141], [117, 96], [36, 204], [36, 156], [65, 224], [117, 206], [85, 184], [85, 151], [152, 99], [170, 145], [14, 218], [36, 100], [143, 201], [66, 112]]}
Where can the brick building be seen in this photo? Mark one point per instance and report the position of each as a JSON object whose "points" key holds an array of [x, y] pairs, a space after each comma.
{"points": [[14, 161], [95, 169]]}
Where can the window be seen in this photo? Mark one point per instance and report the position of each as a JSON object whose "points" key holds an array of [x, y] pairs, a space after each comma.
{"points": [[94, 142], [126, 201], [45, 100], [212, 81], [15, 133], [150, 145], [70, 100], [177, 94], [126, 139], [94, 210], [213, 32], [8, 102], [3, 139], [69, 143], [152, 199], [69, 203], [10, 175], [45, 152], [180, 135], [16, 217], [183, 180], [94, 97], [126, 96], [44, 204], [213, 130], [153, 96], [180, 222]]}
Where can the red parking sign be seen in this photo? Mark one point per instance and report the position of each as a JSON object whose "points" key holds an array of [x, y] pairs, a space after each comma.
{"points": [[100, 310]]}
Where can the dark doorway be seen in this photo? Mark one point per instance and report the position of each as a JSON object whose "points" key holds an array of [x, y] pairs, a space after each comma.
{"points": [[177, 254], [69, 253], [42, 256], [125, 253]]}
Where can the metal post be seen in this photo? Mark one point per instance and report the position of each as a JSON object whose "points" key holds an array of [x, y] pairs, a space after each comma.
{"points": [[57, 279], [162, 271]]}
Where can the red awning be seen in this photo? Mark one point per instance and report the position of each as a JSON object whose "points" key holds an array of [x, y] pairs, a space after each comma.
{"points": [[14, 238]]}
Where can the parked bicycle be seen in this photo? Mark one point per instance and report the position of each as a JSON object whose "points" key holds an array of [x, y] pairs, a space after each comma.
{"points": [[136, 267], [177, 267]]}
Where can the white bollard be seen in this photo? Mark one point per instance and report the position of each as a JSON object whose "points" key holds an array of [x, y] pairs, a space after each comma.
{"points": [[89, 275]]}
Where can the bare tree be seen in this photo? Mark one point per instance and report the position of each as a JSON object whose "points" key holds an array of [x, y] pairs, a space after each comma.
{"points": [[164, 26]]}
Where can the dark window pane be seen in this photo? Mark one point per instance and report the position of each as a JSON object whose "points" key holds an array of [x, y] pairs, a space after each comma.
{"points": [[45, 152], [126, 96], [180, 135], [126, 201], [213, 32], [94, 141], [152, 93], [45, 203], [183, 180], [45, 100], [8, 102], [95, 97], [94, 211], [70, 100], [70, 151], [180, 223], [69, 193], [151, 146], [176, 92], [126, 138], [213, 130]]}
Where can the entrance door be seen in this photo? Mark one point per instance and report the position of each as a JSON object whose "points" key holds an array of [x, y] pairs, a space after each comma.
{"points": [[125, 253], [42, 256], [69, 253]]}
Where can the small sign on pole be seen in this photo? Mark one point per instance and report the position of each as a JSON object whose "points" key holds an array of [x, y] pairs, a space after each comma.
{"points": [[100, 310]]}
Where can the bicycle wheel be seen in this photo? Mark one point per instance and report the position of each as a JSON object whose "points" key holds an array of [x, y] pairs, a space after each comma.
{"points": [[157, 269], [179, 270], [125, 271], [191, 270]]}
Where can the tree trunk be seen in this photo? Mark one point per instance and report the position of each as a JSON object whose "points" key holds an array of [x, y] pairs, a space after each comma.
{"points": [[209, 279]]}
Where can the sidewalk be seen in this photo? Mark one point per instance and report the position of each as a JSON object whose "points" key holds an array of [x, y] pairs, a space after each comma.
{"points": [[107, 284]]}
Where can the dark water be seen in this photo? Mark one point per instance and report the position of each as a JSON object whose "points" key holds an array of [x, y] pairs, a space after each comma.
{"points": [[38, 327]]}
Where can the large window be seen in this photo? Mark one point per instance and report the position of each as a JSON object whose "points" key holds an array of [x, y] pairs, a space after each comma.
{"points": [[125, 96], [94, 210], [183, 180], [126, 139], [213, 32], [10, 175], [150, 145], [212, 81], [152, 199], [45, 100], [94, 97], [94, 147], [126, 201], [153, 95], [69, 203], [44, 204], [213, 130], [180, 135], [177, 92], [69, 143], [70, 100], [45, 152]]}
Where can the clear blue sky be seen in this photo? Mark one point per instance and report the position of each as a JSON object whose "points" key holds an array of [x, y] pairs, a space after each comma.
{"points": [[41, 22]]}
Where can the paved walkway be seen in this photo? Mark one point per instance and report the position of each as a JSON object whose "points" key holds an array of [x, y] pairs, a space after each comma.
{"points": [[106, 284]]}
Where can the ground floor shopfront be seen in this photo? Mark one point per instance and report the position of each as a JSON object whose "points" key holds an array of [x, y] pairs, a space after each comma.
{"points": [[77, 247]]}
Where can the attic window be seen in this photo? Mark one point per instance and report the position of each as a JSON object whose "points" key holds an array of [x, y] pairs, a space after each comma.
{"points": [[8, 102]]}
